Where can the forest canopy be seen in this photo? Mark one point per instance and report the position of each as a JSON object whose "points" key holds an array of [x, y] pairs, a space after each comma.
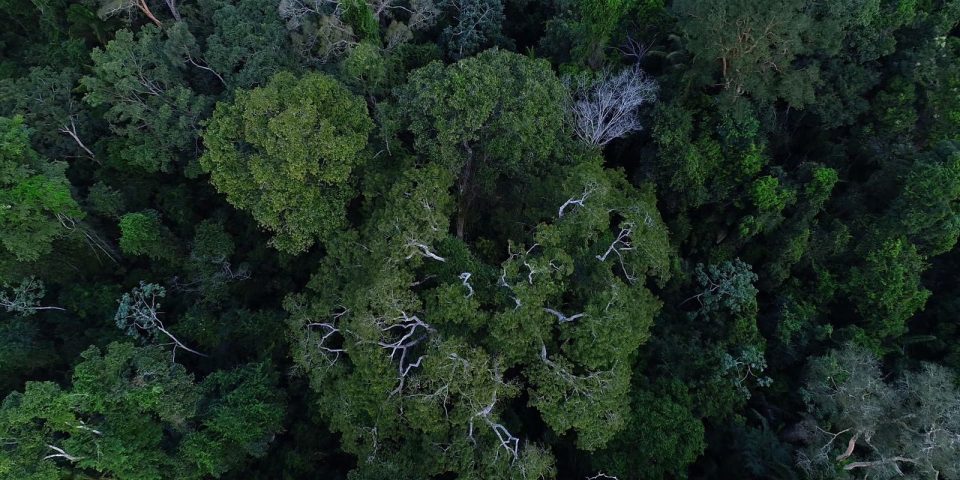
{"points": [[479, 239]]}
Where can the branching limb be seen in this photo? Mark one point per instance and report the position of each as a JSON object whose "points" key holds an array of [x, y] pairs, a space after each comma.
{"points": [[61, 454], [71, 131], [412, 331], [509, 442], [623, 243], [422, 250], [138, 314], [587, 191], [465, 278], [561, 318], [607, 108], [25, 298], [328, 333], [205, 67]]}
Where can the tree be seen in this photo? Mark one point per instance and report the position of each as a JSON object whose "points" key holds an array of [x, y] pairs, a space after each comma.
{"points": [[606, 108], [662, 422], [143, 234], [25, 297], [45, 99], [286, 152], [490, 117], [728, 286], [208, 270], [139, 79], [130, 412], [473, 25], [139, 316], [407, 338], [928, 207], [248, 44], [755, 44], [886, 289], [35, 198], [866, 425]]}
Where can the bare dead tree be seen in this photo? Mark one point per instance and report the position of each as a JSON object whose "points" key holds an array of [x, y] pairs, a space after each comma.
{"points": [[421, 13], [296, 12], [469, 20], [332, 36], [607, 108], [90, 237], [883, 429], [634, 49]]}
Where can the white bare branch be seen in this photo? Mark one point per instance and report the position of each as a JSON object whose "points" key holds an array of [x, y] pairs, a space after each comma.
{"points": [[61, 454], [581, 386], [71, 131], [602, 476], [587, 191], [465, 278], [83, 426], [205, 67], [423, 250], [138, 313], [25, 298], [561, 318], [502, 282], [607, 108], [623, 243], [409, 331], [509, 442], [328, 334]]}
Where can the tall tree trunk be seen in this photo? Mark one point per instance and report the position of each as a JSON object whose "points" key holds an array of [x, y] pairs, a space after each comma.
{"points": [[142, 5]]}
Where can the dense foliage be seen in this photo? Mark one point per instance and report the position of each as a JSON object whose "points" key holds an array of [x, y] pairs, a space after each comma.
{"points": [[479, 239]]}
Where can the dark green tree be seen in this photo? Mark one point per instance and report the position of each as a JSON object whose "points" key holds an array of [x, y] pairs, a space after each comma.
{"points": [[35, 197]]}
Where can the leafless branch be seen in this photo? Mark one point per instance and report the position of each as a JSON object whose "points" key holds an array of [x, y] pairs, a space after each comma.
{"points": [[606, 108], [561, 318]]}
